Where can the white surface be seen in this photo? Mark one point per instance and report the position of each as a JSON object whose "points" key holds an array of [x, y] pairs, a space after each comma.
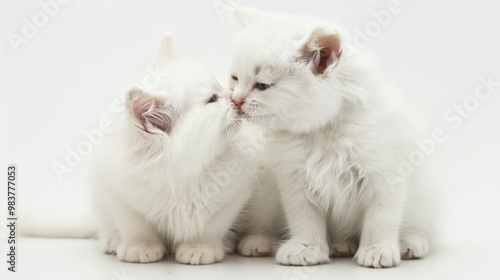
{"points": [[81, 259], [61, 81]]}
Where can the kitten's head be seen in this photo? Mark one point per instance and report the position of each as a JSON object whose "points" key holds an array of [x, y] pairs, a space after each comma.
{"points": [[187, 122], [287, 72]]}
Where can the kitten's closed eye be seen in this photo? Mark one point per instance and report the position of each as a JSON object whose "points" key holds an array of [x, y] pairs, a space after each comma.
{"points": [[234, 78], [213, 99]]}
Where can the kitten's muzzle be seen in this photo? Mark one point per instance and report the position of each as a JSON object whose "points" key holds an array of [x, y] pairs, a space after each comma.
{"points": [[238, 102], [237, 110]]}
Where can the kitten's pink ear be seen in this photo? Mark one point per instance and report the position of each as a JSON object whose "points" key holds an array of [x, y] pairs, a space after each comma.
{"points": [[244, 16], [166, 52], [322, 50], [152, 114]]}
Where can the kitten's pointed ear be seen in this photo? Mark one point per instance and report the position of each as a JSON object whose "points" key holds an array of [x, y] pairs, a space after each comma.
{"points": [[166, 52], [322, 50], [244, 16], [152, 114]]}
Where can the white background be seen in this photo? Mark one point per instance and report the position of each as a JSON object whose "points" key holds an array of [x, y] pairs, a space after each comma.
{"points": [[61, 80]]}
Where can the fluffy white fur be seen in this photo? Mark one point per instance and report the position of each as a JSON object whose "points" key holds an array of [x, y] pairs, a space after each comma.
{"points": [[339, 135], [261, 223], [168, 177]]}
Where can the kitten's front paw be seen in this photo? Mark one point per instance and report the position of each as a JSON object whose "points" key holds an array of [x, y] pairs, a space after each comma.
{"points": [[109, 242], [378, 255], [296, 253], [140, 251], [255, 245], [414, 247], [199, 253], [343, 249]]}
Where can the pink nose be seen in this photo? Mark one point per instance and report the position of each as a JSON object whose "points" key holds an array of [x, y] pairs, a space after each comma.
{"points": [[238, 102]]}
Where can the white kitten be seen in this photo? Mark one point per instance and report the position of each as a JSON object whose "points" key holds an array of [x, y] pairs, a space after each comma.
{"points": [[339, 135], [168, 176]]}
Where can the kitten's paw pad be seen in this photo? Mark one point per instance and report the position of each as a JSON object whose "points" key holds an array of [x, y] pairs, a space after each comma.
{"points": [[199, 253], [378, 255], [414, 247], [109, 242], [295, 253], [141, 252], [343, 249], [255, 245]]}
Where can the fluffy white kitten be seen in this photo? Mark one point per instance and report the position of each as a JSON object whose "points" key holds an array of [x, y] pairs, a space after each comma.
{"points": [[338, 137], [168, 177]]}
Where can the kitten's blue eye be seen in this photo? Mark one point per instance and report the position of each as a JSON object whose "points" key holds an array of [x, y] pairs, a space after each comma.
{"points": [[213, 99], [262, 86]]}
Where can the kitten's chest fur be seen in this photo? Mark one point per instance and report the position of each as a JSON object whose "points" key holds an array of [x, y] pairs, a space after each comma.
{"points": [[328, 164], [182, 209]]}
